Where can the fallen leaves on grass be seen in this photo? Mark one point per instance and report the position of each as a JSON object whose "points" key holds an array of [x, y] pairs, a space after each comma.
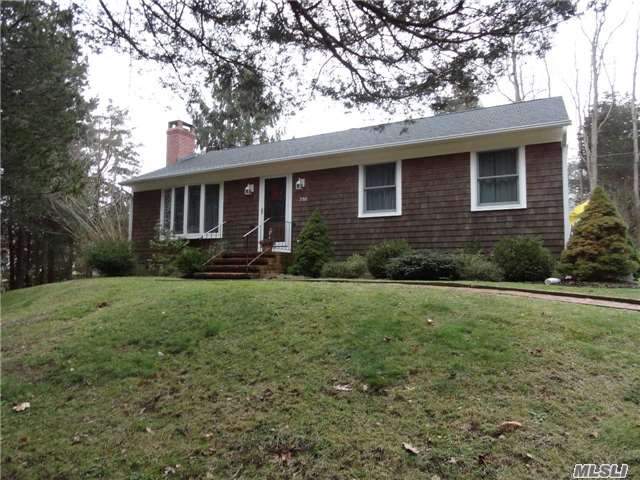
{"points": [[21, 407], [170, 470], [102, 304], [267, 394], [507, 427], [343, 387], [410, 448], [284, 456]]}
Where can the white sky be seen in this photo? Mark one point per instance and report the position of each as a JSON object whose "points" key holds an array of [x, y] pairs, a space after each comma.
{"points": [[137, 87]]}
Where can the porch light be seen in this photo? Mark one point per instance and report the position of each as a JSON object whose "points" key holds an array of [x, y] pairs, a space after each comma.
{"points": [[300, 183], [248, 190]]}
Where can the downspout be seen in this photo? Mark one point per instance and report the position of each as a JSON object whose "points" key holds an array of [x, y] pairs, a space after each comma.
{"points": [[565, 188], [129, 234]]}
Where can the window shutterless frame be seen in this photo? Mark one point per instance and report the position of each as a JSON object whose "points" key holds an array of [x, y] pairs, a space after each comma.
{"points": [[217, 233], [521, 165], [362, 211]]}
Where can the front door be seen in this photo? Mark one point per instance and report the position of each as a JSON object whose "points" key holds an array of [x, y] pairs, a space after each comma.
{"points": [[275, 202]]}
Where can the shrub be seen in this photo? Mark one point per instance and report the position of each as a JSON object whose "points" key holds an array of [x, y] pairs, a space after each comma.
{"points": [[425, 265], [523, 259], [378, 256], [600, 248], [190, 260], [164, 251], [475, 266], [110, 257], [472, 247], [353, 267], [313, 248]]}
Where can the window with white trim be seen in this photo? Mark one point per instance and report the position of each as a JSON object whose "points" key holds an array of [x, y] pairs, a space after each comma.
{"points": [[192, 211], [380, 188], [498, 179]]}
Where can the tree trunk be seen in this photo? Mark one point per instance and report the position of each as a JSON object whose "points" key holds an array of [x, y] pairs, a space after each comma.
{"points": [[51, 265], [634, 132], [44, 259], [29, 259], [12, 256], [68, 261], [20, 260], [514, 73], [593, 154]]}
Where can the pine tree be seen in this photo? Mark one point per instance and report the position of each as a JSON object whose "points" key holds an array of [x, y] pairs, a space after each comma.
{"points": [[43, 75], [600, 248], [313, 248], [240, 110]]}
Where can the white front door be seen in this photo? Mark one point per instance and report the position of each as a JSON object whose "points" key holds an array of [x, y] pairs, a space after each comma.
{"points": [[274, 216]]}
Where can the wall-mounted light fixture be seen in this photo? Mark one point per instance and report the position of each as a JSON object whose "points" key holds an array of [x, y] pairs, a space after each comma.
{"points": [[300, 183], [248, 190]]}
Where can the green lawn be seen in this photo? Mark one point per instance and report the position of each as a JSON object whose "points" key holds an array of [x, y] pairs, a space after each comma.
{"points": [[128, 378], [616, 292]]}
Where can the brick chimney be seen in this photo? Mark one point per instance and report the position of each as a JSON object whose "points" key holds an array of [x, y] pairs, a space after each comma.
{"points": [[181, 141]]}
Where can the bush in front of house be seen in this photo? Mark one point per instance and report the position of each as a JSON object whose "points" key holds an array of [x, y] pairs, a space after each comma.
{"points": [[190, 260], [313, 247], [164, 251], [378, 256], [423, 265], [600, 248], [523, 259], [475, 266], [110, 257], [353, 267]]}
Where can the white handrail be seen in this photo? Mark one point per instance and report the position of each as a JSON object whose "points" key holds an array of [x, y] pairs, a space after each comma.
{"points": [[255, 228], [216, 227]]}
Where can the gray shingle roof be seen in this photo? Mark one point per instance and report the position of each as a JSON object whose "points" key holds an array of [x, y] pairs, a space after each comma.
{"points": [[514, 116]]}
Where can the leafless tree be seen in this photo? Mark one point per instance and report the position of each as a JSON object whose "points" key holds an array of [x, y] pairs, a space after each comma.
{"points": [[598, 41]]}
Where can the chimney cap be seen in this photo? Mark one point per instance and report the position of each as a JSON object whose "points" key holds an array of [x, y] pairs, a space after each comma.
{"points": [[180, 124]]}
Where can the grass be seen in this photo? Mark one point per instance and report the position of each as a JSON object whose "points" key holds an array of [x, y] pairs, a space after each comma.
{"points": [[142, 378], [615, 292]]}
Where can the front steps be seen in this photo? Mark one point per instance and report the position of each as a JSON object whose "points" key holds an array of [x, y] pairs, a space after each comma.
{"points": [[233, 266]]}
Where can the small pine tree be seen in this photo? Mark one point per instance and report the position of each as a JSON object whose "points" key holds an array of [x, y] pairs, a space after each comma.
{"points": [[313, 248], [600, 248]]}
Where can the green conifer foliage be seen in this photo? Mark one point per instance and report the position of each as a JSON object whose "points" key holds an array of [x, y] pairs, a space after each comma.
{"points": [[600, 248], [313, 247]]}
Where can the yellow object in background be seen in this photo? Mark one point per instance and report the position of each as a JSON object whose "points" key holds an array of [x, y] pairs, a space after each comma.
{"points": [[577, 211]]}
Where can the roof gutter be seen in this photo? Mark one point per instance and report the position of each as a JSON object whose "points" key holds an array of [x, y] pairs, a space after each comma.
{"points": [[383, 146]]}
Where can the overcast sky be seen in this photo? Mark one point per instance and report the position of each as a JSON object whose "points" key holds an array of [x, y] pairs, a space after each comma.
{"points": [[136, 86]]}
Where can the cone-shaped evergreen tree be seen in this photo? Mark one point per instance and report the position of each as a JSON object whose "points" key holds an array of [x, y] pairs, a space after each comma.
{"points": [[600, 248], [313, 247]]}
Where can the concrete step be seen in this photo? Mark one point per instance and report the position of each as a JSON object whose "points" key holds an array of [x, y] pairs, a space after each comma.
{"points": [[224, 275], [238, 261], [216, 267], [241, 254]]}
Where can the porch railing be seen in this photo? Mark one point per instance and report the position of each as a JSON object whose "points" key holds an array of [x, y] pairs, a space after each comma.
{"points": [[267, 245], [246, 237], [217, 227], [217, 254]]}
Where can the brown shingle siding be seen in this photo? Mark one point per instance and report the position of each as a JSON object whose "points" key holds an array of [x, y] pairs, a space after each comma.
{"points": [[436, 206], [240, 212], [146, 217]]}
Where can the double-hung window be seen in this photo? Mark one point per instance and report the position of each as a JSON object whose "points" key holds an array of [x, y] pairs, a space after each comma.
{"points": [[380, 190], [192, 211], [498, 179]]}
